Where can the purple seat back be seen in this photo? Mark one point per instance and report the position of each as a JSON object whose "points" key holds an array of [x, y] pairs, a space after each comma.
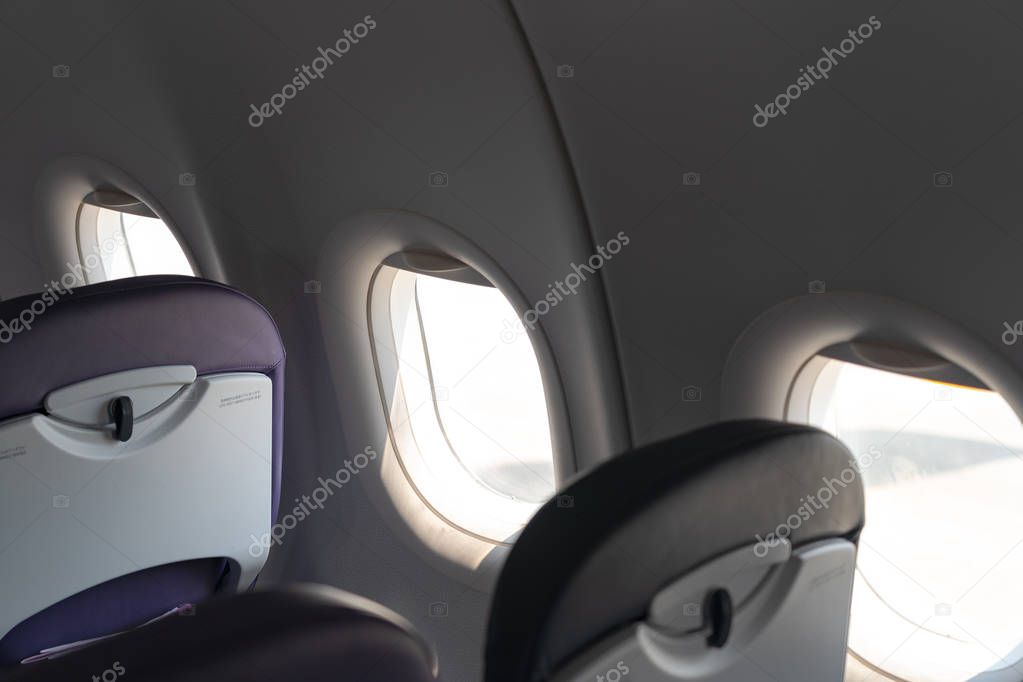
{"points": [[301, 632], [53, 339]]}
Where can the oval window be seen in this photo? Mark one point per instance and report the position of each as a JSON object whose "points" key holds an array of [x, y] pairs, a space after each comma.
{"points": [[468, 412], [937, 584], [119, 236]]}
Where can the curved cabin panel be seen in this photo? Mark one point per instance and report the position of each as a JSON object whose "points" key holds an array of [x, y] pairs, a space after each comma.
{"points": [[510, 341]]}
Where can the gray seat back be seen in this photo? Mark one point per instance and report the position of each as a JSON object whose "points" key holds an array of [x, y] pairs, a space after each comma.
{"points": [[697, 558]]}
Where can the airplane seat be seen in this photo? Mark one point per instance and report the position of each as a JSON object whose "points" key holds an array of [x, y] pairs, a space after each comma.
{"points": [[140, 463], [140, 454], [310, 633], [713, 556]]}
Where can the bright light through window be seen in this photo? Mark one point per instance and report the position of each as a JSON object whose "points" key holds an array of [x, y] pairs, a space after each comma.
{"points": [[115, 245], [470, 413], [938, 586]]}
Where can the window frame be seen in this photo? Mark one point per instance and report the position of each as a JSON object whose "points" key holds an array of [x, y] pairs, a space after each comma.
{"points": [[764, 377], [800, 408], [381, 323], [87, 229]]}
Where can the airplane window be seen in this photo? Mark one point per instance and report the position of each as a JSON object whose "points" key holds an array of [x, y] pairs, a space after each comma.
{"points": [[942, 551], [470, 414], [114, 243]]}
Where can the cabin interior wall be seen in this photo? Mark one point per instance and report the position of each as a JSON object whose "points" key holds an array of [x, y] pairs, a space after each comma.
{"points": [[841, 189]]}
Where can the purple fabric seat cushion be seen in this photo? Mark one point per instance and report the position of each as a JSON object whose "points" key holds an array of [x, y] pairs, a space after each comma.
{"points": [[307, 633], [114, 606]]}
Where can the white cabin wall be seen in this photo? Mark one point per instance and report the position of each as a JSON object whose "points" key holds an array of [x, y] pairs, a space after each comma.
{"points": [[840, 189], [161, 89]]}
